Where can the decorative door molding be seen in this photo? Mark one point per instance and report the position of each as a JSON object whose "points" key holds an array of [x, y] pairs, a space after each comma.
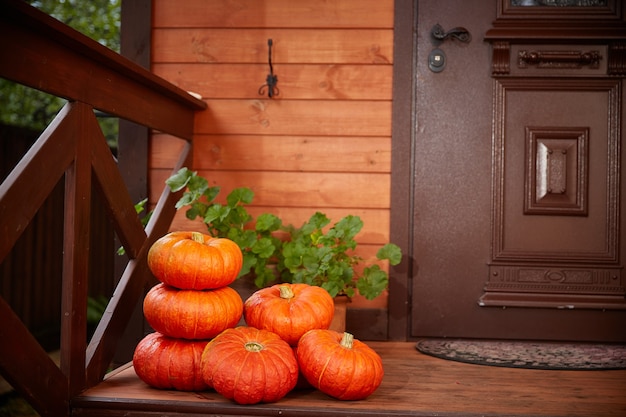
{"points": [[556, 197]]}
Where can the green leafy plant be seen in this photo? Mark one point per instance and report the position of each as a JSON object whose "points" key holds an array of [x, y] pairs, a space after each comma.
{"points": [[315, 253]]}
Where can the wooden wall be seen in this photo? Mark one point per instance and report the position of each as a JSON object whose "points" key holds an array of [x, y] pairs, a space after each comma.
{"points": [[324, 143]]}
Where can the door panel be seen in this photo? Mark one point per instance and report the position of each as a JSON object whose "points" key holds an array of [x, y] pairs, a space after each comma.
{"points": [[517, 195], [555, 241]]}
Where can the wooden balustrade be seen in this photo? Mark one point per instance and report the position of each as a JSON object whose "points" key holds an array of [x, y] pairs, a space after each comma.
{"points": [[40, 52]]}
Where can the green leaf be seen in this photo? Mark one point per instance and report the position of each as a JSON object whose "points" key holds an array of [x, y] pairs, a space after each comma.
{"points": [[292, 253], [267, 222], [249, 260], [237, 217], [391, 252], [373, 282], [211, 193], [140, 206], [240, 195], [179, 180], [263, 277], [192, 213], [197, 185], [347, 228], [216, 212], [186, 200], [244, 238], [332, 288], [316, 222], [264, 248]]}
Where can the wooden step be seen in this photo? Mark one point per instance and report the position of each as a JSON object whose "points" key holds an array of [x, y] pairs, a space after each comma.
{"points": [[414, 385]]}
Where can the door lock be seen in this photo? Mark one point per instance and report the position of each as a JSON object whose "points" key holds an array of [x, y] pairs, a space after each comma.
{"points": [[436, 60]]}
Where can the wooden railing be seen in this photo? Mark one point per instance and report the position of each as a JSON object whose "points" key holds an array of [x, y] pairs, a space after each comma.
{"points": [[40, 52]]}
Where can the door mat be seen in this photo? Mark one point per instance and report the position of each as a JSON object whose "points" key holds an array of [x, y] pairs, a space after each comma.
{"points": [[529, 355]]}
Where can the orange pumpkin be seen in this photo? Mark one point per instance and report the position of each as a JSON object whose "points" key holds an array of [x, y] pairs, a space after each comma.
{"points": [[289, 310], [249, 365], [195, 261], [169, 363], [192, 314], [339, 365]]}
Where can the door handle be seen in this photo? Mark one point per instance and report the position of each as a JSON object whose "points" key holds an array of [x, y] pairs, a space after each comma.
{"points": [[459, 33]]}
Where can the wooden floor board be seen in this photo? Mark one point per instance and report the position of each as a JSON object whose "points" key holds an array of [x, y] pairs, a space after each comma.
{"points": [[414, 385]]}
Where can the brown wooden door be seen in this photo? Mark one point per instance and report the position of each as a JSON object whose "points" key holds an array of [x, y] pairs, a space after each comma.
{"points": [[517, 192]]}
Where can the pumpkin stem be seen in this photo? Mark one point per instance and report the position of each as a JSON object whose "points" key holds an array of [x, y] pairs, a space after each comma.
{"points": [[253, 346], [197, 237], [285, 291], [347, 340]]}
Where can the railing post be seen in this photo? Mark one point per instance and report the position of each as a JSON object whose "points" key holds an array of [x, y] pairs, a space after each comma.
{"points": [[76, 251]]}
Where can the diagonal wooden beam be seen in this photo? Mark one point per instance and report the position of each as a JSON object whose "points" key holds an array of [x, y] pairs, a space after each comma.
{"points": [[28, 368], [120, 207]]}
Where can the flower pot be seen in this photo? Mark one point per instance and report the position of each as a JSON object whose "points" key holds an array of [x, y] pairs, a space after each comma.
{"points": [[339, 319]]}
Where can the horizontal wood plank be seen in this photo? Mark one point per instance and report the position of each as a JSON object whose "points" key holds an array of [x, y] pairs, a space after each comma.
{"points": [[414, 385], [298, 189], [295, 118], [278, 153], [295, 81], [276, 13], [290, 46]]}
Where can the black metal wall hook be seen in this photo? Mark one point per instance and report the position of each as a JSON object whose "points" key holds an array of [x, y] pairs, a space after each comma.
{"points": [[459, 33], [271, 80]]}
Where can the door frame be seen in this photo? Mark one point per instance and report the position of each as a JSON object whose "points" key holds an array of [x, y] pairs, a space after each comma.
{"points": [[402, 167]]}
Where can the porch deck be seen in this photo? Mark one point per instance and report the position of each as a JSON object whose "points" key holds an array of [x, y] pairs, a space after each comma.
{"points": [[414, 385]]}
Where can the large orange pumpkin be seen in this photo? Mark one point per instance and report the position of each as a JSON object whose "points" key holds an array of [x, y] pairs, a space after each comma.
{"points": [[169, 363], [192, 314], [194, 260], [339, 365], [249, 365], [289, 310]]}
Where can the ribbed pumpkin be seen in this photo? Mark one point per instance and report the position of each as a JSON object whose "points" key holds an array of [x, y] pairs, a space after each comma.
{"points": [[192, 314], [169, 363], [194, 260], [249, 365], [289, 310], [339, 365]]}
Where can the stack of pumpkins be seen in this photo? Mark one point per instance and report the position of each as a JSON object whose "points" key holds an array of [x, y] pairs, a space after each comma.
{"points": [[190, 306], [286, 338]]}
